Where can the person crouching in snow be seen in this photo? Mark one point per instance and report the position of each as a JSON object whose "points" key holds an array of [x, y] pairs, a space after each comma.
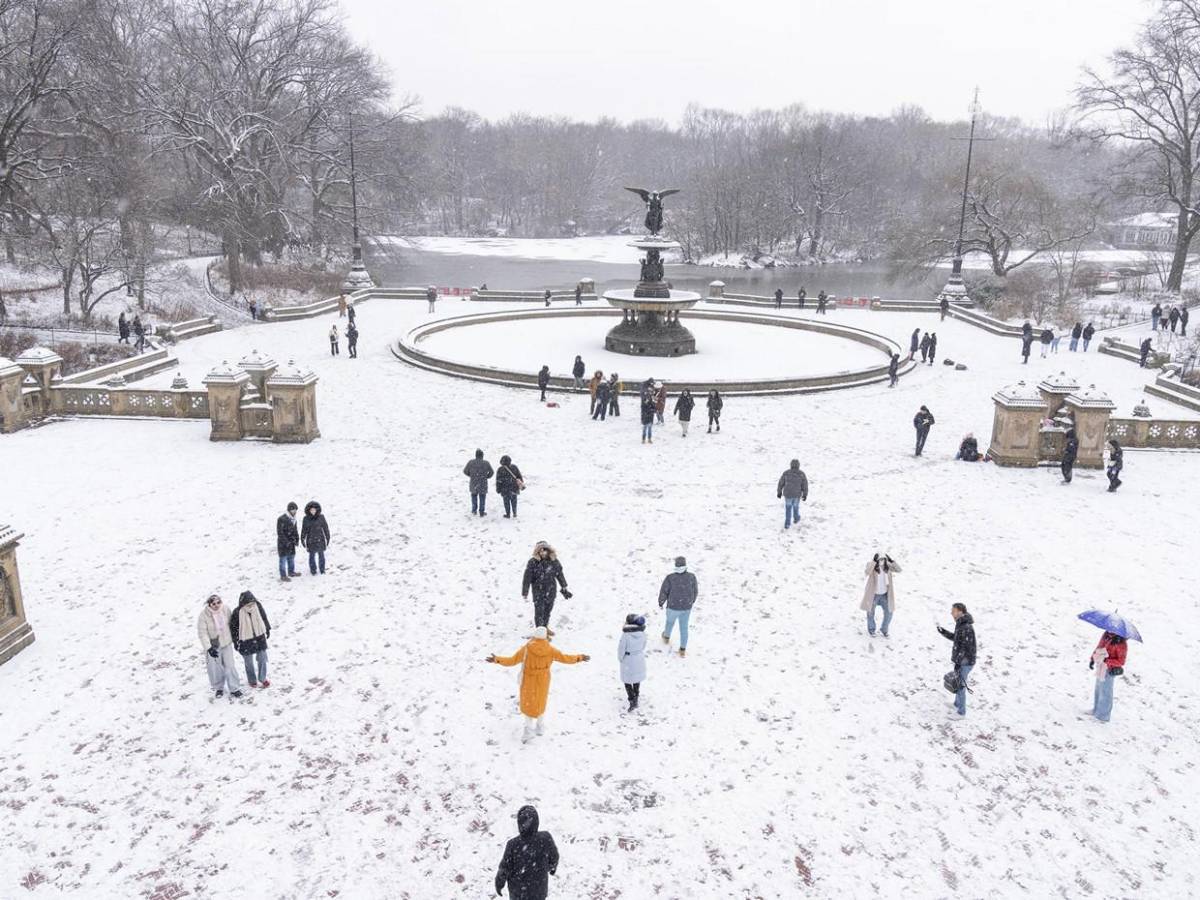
{"points": [[216, 641], [250, 628], [968, 450], [529, 860], [880, 591], [535, 659], [631, 654]]}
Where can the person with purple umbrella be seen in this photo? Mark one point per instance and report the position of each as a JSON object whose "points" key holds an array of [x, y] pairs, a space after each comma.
{"points": [[1108, 659]]}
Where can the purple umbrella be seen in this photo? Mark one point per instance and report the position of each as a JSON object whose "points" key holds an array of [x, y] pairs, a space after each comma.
{"points": [[1110, 621]]}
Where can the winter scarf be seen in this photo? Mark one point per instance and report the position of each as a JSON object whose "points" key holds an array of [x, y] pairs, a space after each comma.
{"points": [[250, 622]]}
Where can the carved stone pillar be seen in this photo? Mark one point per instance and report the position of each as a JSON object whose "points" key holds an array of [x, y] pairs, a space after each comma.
{"points": [[1015, 429], [293, 392], [260, 368], [225, 384], [716, 291], [1054, 390], [44, 365], [12, 409], [1092, 409], [15, 632]]}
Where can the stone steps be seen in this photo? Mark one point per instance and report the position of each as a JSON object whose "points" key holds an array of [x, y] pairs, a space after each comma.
{"points": [[1175, 391]]}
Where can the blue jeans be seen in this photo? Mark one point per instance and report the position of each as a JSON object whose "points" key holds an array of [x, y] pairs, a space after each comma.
{"points": [[647, 431], [478, 504], [960, 699], [791, 511], [1102, 706], [249, 660], [315, 557], [510, 504], [287, 565], [681, 616], [880, 600], [1074, 344]]}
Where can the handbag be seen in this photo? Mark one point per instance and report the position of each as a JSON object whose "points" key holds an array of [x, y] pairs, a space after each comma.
{"points": [[520, 482], [950, 681]]}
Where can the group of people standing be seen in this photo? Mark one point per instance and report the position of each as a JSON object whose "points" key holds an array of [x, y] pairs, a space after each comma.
{"points": [[509, 483], [605, 393], [926, 344], [124, 328], [1173, 316], [224, 633], [345, 309], [801, 297]]}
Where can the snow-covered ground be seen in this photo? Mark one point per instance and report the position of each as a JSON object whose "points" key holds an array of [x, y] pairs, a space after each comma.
{"points": [[788, 755]]}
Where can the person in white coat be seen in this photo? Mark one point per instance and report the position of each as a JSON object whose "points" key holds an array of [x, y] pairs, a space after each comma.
{"points": [[880, 591], [631, 654], [216, 640]]}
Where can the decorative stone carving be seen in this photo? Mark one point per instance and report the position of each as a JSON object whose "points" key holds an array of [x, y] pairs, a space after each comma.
{"points": [[1015, 438], [15, 632], [1055, 389], [293, 393], [43, 367], [12, 410], [225, 384], [260, 368]]}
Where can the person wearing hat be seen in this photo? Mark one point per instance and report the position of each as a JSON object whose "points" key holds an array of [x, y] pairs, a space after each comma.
{"points": [[543, 575], [479, 471], [212, 627], [792, 488], [678, 594], [535, 659], [249, 627], [529, 860], [631, 654], [287, 536]]}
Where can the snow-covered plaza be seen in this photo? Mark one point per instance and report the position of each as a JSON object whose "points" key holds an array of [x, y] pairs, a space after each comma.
{"points": [[789, 754]]}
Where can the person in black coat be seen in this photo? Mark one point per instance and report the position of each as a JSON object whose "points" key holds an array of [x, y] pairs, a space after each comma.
{"points": [[1116, 463], [577, 370], [578, 295], [822, 303], [314, 536], [1070, 451], [801, 296], [286, 538], [922, 422], [529, 860], [352, 339], [546, 296], [779, 298], [925, 347], [962, 654], [122, 329], [1076, 332], [913, 344], [684, 405], [894, 370], [543, 575], [249, 627], [1026, 345], [478, 471], [614, 395], [603, 395], [1027, 329], [968, 450], [1145, 352], [932, 347], [1046, 337], [1087, 335], [140, 331], [544, 380], [714, 404], [649, 407], [509, 484], [1173, 318], [1183, 317]]}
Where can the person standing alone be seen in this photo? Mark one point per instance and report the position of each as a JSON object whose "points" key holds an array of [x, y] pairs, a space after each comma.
{"points": [[1070, 452], [962, 654], [478, 470], [880, 591], [543, 576], [678, 595], [286, 539], [792, 488], [631, 655], [1108, 661], [922, 422], [529, 860], [683, 409], [1116, 463], [577, 371]]}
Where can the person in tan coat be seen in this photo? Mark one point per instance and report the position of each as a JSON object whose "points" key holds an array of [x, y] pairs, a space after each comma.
{"points": [[216, 640], [593, 387], [535, 659], [880, 591]]}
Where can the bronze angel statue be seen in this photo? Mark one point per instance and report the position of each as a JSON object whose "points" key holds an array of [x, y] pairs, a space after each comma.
{"points": [[654, 210]]}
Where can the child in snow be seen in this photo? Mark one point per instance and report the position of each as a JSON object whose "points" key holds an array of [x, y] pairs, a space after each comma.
{"points": [[535, 658], [631, 654]]}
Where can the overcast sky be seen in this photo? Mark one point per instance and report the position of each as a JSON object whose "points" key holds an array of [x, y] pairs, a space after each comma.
{"points": [[640, 59]]}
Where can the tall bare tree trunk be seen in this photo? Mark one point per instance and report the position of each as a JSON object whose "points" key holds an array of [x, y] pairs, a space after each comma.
{"points": [[233, 257]]}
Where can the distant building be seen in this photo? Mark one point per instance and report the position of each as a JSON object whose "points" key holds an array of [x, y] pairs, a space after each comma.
{"points": [[1145, 231]]}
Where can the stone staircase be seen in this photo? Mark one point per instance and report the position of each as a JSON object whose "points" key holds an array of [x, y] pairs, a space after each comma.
{"points": [[1169, 387]]}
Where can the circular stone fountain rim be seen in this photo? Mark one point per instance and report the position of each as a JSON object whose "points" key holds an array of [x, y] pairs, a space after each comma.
{"points": [[626, 299], [407, 351]]}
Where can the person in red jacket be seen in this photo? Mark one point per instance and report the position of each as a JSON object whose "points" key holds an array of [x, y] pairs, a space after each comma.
{"points": [[1108, 661]]}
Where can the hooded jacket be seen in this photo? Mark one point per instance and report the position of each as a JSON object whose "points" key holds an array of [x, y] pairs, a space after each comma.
{"points": [[537, 657], [543, 377], [793, 482], [314, 533], [631, 654], [249, 627], [684, 405], [529, 860], [579, 368], [1070, 449], [544, 576], [479, 471], [963, 635]]}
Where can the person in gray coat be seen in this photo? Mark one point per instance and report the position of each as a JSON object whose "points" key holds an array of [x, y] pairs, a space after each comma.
{"points": [[678, 594], [479, 470], [631, 654], [792, 487]]}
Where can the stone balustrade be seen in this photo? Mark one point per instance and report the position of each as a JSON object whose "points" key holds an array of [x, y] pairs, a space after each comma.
{"points": [[1160, 434]]}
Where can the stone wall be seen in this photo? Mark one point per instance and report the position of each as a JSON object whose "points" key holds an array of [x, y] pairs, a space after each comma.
{"points": [[1155, 433]]}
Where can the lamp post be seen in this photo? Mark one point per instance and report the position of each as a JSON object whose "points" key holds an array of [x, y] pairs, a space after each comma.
{"points": [[955, 290], [357, 278]]}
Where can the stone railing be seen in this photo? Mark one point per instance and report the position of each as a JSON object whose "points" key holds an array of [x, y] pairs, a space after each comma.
{"points": [[1155, 433], [190, 328], [330, 304], [735, 299], [131, 368], [984, 321], [98, 400], [556, 296]]}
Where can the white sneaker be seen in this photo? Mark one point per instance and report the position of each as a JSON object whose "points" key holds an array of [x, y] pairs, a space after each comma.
{"points": [[526, 736], [541, 728]]}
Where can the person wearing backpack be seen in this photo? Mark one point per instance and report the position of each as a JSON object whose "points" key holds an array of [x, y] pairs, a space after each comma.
{"points": [[962, 654], [509, 485]]}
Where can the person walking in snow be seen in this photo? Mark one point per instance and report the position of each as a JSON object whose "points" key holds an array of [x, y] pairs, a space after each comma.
{"points": [[922, 422], [1108, 662], [535, 659], [577, 371], [714, 405], [253, 310], [924, 346], [122, 329], [678, 595], [509, 485], [880, 591], [932, 346], [792, 488], [431, 295], [1155, 315], [139, 331], [631, 654], [478, 470], [684, 404], [1026, 346], [1173, 318], [962, 654], [648, 405], [287, 536], [333, 341], [801, 296], [578, 295], [212, 627], [779, 298], [945, 307], [341, 303], [544, 381], [1076, 333], [894, 370], [1046, 337], [614, 395], [1070, 451], [1054, 341], [249, 627], [1144, 352], [314, 536], [352, 340], [1116, 462], [914, 344], [660, 403], [600, 401], [1087, 335], [1027, 329], [543, 576], [1183, 320], [350, 313], [529, 860]]}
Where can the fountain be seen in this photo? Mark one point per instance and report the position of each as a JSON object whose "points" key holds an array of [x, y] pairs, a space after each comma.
{"points": [[650, 326]]}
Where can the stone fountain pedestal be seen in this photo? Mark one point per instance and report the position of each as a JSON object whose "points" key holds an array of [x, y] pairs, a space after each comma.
{"points": [[650, 325]]}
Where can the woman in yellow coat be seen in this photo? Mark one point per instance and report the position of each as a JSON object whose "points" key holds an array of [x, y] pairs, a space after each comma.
{"points": [[535, 659]]}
